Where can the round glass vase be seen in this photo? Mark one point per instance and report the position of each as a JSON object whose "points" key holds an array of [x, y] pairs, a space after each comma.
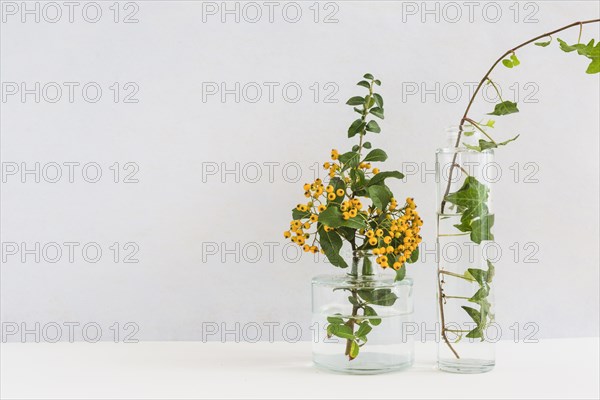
{"points": [[467, 331], [360, 320]]}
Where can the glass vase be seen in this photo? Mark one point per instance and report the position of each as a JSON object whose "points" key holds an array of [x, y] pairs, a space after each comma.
{"points": [[467, 331], [361, 319]]}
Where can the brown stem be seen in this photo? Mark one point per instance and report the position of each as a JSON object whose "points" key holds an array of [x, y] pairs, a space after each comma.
{"points": [[442, 318], [485, 77]]}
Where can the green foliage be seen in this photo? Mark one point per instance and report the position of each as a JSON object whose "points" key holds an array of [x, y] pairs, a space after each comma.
{"points": [[589, 50], [471, 201], [331, 243], [339, 215], [482, 317], [511, 62], [505, 108]]}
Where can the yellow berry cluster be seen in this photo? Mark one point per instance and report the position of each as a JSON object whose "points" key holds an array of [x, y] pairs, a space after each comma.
{"points": [[393, 233], [397, 238]]}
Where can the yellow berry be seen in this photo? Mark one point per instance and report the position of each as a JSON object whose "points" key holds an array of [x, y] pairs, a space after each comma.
{"points": [[379, 232], [375, 170], [331, 196], [369, 234], [329, 189], [373, 241], [287, 234], [340, 192]]}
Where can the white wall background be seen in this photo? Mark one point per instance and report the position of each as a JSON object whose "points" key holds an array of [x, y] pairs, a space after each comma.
{"points": [[172, 134]]}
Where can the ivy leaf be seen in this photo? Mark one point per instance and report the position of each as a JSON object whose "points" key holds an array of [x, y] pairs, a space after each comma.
{"points": [[505, 108], [478, 274], [376, 155], [481, 294], [380, 195], [470, 195], [485, 144], [356, 101], [378, 99], [364, 84], [474, 314], [331, 243], [356, 127], [475, 333], [481, 229], [373, 126], [382, 176], [511, 62], [490, 272], [377, 111], [543, 44], [587, 50]]}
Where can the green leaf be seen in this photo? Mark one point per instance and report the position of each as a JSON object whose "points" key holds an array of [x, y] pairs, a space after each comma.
{"points": [[364, 329], [377, 82], [354, 349], [378, 99], [356, 101], [543, 44], [380, 297], [364, 84], [480, 294], [331, 243], [481, 229], [368, 76], [336, 319], [485, 144], [356, 127], [478, 274], [353, 301], [331, 217], [373, 126], [505, 108], [367, 145], [380, 177], [380, 195], [475, 333], [297, 214], [587, 50], [357, 222], [342, 331], [474, 314], [513, 61], [370, 312], [400, 274], [414, 257], [349, 159], [377, 111], [471, 194], [376, 155], [490, 272]]}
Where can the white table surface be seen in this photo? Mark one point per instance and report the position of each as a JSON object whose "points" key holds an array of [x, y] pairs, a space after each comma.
{"points": [[559, 368]]}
